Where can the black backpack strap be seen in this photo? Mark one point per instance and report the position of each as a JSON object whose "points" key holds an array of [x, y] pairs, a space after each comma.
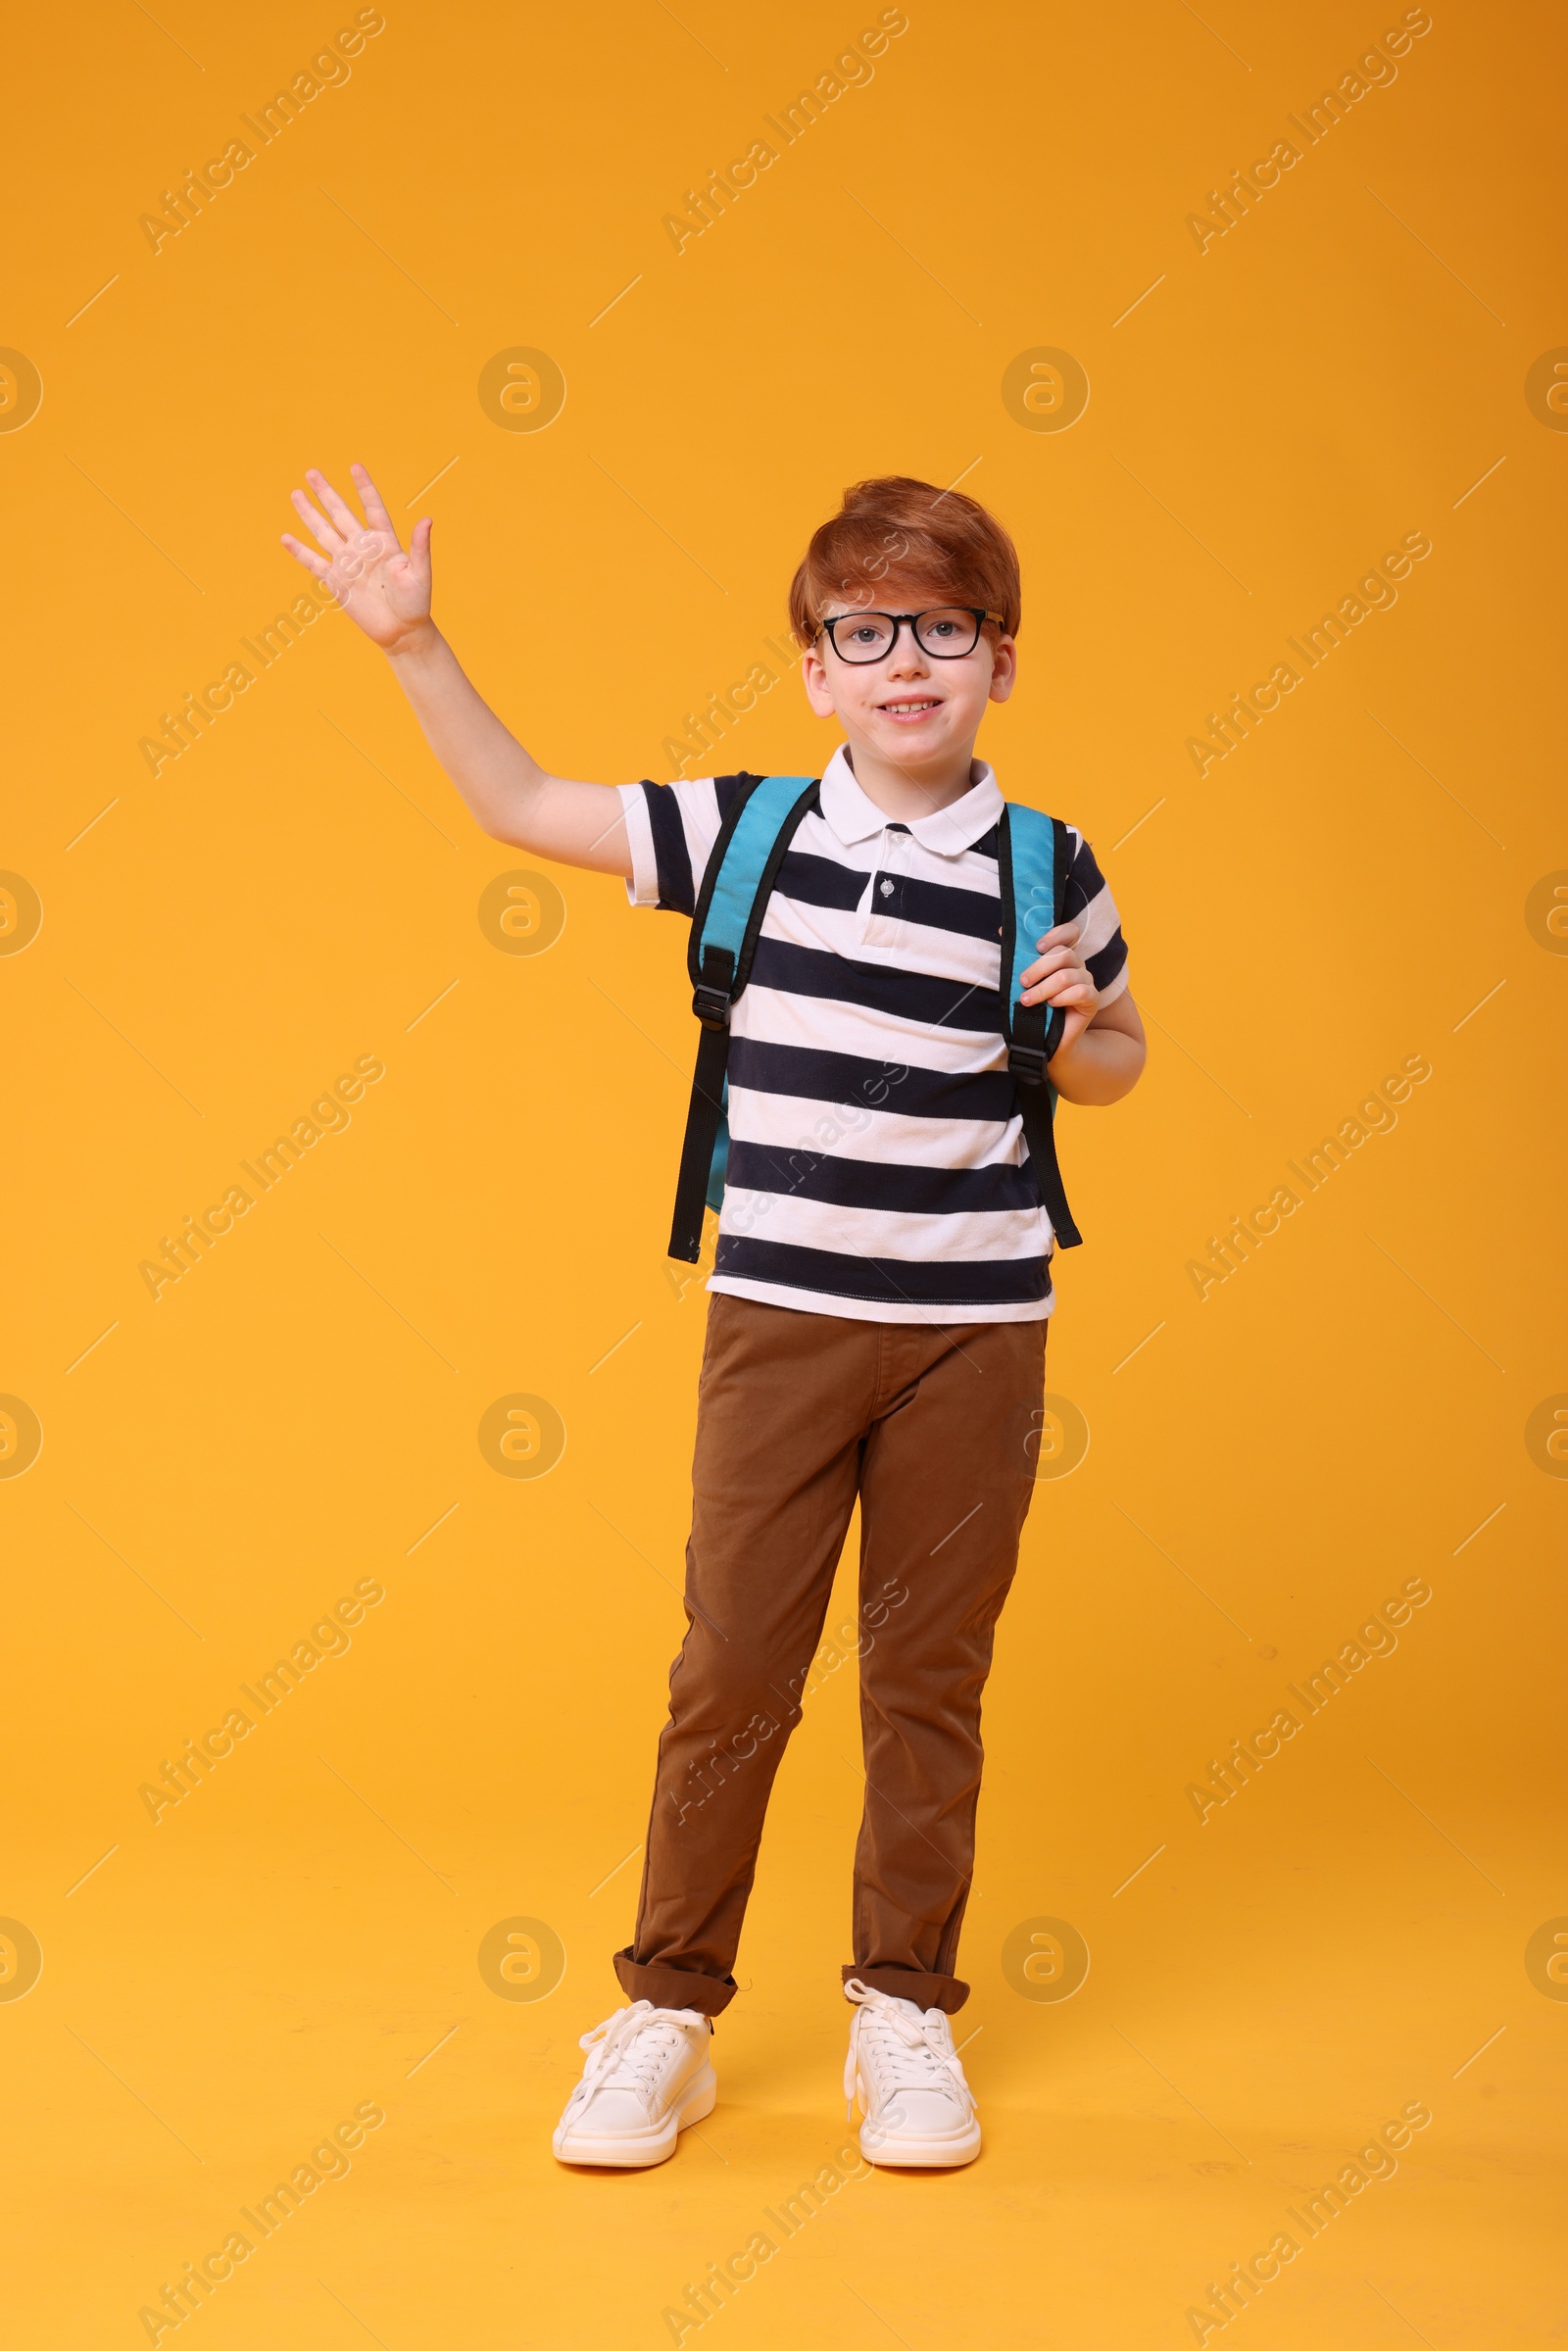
{"points": [[710, 1001], [737, 884], [1033, 1031]]}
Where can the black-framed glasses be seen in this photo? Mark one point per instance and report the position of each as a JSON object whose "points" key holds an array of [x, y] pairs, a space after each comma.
{"points": [[946, 634]]}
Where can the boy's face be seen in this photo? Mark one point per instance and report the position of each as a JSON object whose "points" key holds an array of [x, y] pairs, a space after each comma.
{"points": [[916, 710]]}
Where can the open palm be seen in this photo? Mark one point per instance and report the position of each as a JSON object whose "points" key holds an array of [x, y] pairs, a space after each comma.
{"points": [[381, 585]]}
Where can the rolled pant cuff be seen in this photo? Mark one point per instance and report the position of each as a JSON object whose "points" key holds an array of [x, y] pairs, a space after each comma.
{"points": [[946, 1993], [673, 1987]]}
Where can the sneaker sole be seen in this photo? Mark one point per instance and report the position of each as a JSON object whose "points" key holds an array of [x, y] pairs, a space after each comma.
{"points": [[920, 2154], [619, 2154], [893, 2154]]}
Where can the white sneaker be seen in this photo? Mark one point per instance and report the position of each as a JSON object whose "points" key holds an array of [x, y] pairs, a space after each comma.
{"points": [[648, 2076], [902, 2066]]}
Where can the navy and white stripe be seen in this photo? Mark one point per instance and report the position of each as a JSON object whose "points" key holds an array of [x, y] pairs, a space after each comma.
{"points": [[877, 1166]]}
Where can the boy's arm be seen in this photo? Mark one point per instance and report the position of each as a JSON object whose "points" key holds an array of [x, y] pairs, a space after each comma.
{"points": [[1106, 1058], [386, 590]]}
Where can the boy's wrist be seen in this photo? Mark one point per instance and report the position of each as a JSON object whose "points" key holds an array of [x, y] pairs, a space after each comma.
{"points": [[417, 644]]}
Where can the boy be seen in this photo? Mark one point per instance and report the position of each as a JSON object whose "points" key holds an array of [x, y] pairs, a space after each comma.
{"points": [[881, 1282]]}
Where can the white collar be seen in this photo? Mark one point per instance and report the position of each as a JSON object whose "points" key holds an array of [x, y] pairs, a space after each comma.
{"points": [[949, 831]]}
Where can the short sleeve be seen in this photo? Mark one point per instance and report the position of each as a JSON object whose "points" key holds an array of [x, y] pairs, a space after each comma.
{"points": [[671, 829], [642, 890], [1088, 900]]}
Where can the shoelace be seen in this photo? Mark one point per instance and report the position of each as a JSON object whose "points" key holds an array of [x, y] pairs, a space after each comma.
{"points": [[907, 2052], [628, 2049]]}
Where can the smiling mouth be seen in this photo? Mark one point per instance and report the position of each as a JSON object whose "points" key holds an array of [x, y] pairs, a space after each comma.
{"points": [[909, 709]]}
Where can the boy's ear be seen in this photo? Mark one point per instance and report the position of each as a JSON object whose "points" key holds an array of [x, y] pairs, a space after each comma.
{"points": [[1004, 670], [813, 676]]}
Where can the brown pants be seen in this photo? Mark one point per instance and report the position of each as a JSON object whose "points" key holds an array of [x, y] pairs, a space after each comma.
{"points": [[932, 1425]]}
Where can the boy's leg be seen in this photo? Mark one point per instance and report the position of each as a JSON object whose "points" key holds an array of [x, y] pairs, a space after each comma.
{"points": [[784, 1401], [945, 1488]]}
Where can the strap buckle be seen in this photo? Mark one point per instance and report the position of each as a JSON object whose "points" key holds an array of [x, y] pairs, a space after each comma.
{"points": [[711, 1005], [1027, 1063]]}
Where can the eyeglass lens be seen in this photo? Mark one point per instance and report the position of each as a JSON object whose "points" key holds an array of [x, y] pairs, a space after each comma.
{"points": [[946, 634]]}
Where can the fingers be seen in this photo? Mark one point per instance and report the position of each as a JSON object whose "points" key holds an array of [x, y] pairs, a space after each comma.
{"points": [[1077, 1002], [316, 523], [1055, 958], [375, 513], [1064, 988], [338, 507], [316, 564], [1065, 934]]}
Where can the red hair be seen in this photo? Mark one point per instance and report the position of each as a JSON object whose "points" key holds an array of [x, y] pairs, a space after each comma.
{"points": [[892, 530]]}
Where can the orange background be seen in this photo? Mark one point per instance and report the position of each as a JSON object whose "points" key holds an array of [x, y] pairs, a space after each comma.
{"points": [[1351, 886]]}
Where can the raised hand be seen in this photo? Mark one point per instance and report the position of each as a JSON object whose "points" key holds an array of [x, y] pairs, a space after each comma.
{"points": [[381, 585]]}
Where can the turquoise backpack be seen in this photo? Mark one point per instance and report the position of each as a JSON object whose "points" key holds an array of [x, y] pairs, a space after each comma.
{"points": [[760, 823]]}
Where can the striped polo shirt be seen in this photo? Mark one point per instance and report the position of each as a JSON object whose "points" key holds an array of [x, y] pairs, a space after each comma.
{"points": [[877, 1163]]}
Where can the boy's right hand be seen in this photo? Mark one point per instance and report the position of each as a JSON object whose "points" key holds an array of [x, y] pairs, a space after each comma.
{"points": [[386, 589], [379, 585]]}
